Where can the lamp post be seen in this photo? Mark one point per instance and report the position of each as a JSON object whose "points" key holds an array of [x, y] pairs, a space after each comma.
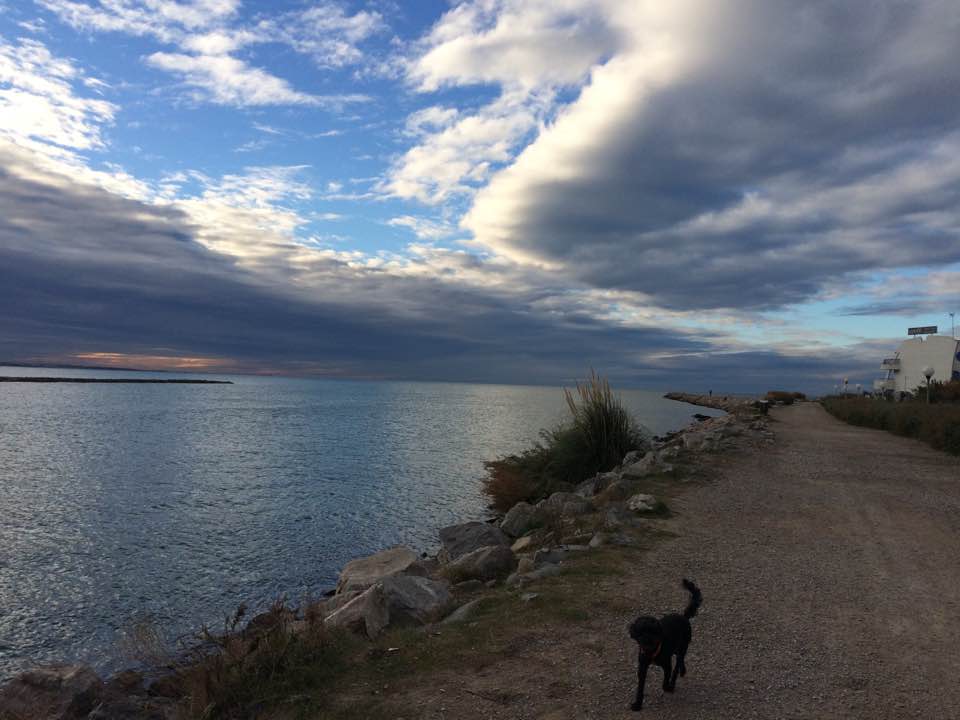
{"points": [[928, 373]]}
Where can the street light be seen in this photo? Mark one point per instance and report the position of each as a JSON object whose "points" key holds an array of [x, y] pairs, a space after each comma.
{"points": [[928, 373]]}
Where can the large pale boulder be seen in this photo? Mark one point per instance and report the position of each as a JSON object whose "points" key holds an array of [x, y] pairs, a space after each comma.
{"points": [[641, 468], [361, 573], [520, 518], [412, 600], [366, 613], [458, 540], [642, 502], [565, 504], [56, 692], [398, 600], [487, 563]]}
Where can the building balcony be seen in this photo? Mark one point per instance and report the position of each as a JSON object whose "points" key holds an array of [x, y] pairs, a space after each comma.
{"points": [[883, 385], [890, 364]]}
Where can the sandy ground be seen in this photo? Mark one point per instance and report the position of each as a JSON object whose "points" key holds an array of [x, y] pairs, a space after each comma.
{"points": [[830, 567]]}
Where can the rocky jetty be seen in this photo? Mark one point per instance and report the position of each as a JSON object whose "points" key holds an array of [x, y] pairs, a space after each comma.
{"points": [[727, 403], [397, 587]]}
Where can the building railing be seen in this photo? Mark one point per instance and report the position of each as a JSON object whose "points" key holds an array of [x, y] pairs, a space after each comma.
{"points": [[890, 364]]}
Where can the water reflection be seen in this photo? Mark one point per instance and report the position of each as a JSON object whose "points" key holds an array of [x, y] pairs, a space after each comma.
{"points": [[178, 502]]}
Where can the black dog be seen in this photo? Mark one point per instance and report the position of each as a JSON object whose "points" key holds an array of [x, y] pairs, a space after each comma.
{"points": [[660, 640]]}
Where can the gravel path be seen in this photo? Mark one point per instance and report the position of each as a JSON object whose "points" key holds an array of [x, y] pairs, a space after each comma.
{"points": [[830, 568]]}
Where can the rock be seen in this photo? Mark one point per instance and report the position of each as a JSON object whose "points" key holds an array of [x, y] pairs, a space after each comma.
{"points": [[619, 490], [527, 597], [668, 453], [652, 463], [546, 571], [56, 692], [468, 586], [466, 611], [525, 565], [565, 504], [524, 544], [129, 682], [520, 518], [547, 556], [597, 484], [362, 573], [458, 540], [618, 517], [330, 605], [168, 685], [126, 708], [486, 563], [642, 502], [619, 539], [132, 708], [366, 613], [576, 539], [412, 600], [633, 456]]}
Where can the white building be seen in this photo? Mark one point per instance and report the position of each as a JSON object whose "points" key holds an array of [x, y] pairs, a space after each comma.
{"points": [[905, 368]]}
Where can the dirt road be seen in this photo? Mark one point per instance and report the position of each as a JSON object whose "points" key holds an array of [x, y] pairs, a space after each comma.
{"points": [[830, 567]]}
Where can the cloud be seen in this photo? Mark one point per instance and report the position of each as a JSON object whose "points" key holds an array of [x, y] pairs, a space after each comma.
{"points": [[707, 155], [210, 33], [225, 80], [422, 227], [38, 102], [457, 153]]}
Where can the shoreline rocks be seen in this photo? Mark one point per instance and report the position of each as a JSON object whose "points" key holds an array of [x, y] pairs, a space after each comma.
{"points": [[397, 588]]}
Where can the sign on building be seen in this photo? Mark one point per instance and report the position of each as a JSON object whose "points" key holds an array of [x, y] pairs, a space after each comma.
{"points": [[926, 330]]}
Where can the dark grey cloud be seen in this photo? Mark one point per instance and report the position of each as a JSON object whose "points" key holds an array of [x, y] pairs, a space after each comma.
{"points": [[804, 142], [83, 270]]}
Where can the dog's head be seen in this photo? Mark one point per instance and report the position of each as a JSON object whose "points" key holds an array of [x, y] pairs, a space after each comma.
{"points": [[648, 633]]}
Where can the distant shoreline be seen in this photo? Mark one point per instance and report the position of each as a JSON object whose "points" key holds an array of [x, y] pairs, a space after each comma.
{"points": [[162, 381]]}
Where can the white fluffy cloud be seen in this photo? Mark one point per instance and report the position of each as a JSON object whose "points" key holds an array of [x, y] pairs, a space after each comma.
{"points": [[38, 101], [209, 34], [226, 80]]}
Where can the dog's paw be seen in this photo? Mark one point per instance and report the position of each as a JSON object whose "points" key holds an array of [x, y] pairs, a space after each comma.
{"points": [[668, 688], [637, 706]]}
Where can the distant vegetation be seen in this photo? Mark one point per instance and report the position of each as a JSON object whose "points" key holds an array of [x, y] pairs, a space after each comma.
{"points": [[595, 437], [936, 423], [787, 398]]}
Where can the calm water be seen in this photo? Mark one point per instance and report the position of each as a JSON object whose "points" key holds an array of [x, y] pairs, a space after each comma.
{"points": [[120, 503]]}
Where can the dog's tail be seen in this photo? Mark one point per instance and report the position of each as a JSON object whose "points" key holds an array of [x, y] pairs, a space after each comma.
{"points": [[696, 597]]}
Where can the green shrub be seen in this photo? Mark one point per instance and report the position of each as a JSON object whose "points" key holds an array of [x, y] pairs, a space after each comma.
{"points": [[596, 436], [787, 398], [937, 424]]}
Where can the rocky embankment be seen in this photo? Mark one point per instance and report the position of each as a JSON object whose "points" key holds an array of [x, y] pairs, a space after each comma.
{"points": [[398, 587], [728, 403]]}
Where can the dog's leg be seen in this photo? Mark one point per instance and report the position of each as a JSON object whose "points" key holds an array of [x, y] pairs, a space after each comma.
{"points": [[681, 663], [642, 665], [667, 672], [677, 669]]}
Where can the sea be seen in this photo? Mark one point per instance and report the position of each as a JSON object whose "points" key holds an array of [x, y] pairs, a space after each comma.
{"points": [[125, 507]]}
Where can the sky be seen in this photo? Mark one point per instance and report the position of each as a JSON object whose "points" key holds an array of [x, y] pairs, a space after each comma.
{"points": [[735, 195]]}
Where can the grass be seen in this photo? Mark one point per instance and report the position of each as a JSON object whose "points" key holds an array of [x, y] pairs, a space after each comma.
{"points": [[597, 434], [278, 661], [937, 424]]}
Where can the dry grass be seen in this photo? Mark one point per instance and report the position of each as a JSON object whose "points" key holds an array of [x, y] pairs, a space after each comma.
{"points": [[787, 398], [278, 661], [596, 436], [935, 424]]}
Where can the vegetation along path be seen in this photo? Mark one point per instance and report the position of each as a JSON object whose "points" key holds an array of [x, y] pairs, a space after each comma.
{"points": [[830, 567]]}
